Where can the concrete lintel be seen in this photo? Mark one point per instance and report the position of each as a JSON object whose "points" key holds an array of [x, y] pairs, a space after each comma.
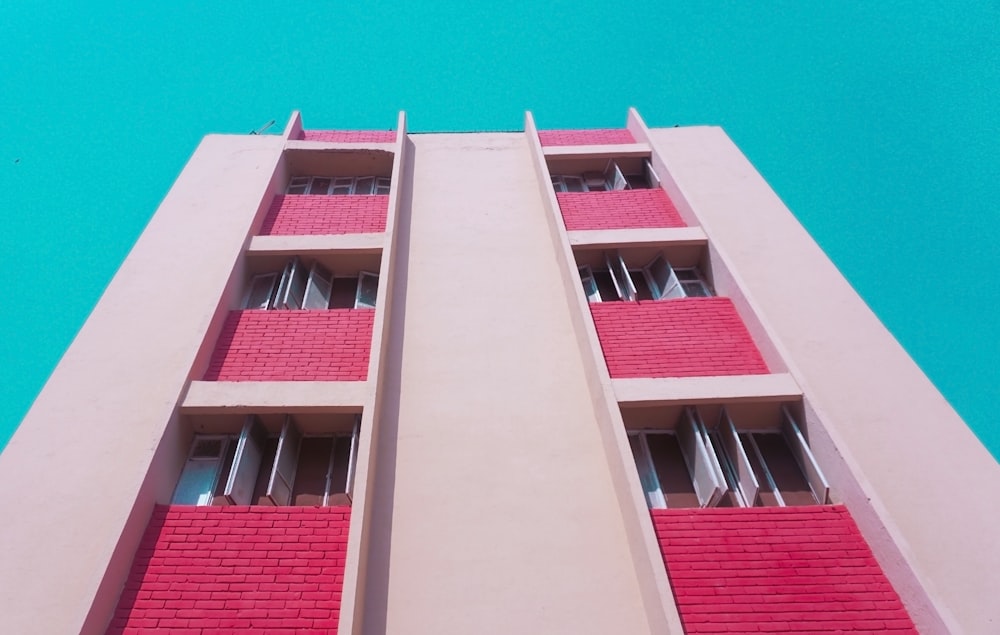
{"points": [[604, 151], [289, 245], [696, 390], [339, 145], [615, 238], [262, 397]]}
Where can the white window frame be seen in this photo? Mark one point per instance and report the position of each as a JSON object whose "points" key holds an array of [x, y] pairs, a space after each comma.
{"points": [[651, 175], [614, 179], [560, 183], [358, 302], [804, 457], [286, 465], [621, 277], [589, 282], [319, 288], [379, 185], [739, 466], [249, 455], [646, 469], [208, 494], [261, 278], [672, 288]]}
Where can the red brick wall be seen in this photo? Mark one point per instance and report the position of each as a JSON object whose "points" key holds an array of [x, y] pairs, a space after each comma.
{"points": [[201, 570], [305, 214], [331, 345], [621, 209], [600, 136], [350, 136], [675, 338], [776, 570]]}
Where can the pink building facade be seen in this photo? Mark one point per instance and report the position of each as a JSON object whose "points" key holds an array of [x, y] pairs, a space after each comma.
{"points": [[580, 381]]}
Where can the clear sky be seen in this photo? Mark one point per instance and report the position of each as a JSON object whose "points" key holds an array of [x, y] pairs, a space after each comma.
{"points": [[877, 123]]}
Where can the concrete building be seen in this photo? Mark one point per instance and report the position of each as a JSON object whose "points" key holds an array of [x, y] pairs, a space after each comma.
{"points": [[591, 381]]}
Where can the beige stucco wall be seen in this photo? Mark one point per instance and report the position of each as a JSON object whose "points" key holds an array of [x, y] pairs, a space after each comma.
{"points": [[914, 476], [81, 471], [495, 511]]}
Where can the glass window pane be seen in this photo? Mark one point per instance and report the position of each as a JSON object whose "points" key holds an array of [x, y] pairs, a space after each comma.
{"points": [[318, 288], [260, 292], [573, 184], [320, 186], [197, 482], [367, 290], [296, 290], [364, 185], [647, 476], [382, 185], [342, 185], [298, 185]]}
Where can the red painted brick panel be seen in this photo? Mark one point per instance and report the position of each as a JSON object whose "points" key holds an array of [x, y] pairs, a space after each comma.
{"points": [[203, 570], [350, 136], [332, 345], [307, 214], [686, 337], [776, 570], [621, 209], [598, 136]]}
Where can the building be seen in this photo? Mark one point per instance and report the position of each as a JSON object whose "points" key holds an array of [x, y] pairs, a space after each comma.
{"points": [[546, 381]]}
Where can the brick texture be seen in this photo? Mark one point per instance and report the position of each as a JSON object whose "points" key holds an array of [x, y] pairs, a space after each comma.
{"points": [[350, 136], [599, 136], [776, 570], [256, 345], [686, 337], [621, 209], [201, 570], [305, 214]]}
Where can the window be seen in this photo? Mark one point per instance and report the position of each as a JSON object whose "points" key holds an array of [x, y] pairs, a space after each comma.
{"points": [[312, 287], [611, 178], [342, 185], [253, 468], [656, 281], [692, 466]]}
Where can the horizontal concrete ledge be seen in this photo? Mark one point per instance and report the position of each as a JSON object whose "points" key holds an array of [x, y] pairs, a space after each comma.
{"points": [[299, 144], [288, 245], [598, 151], [262, 397], [699, 390], [616, 238]]}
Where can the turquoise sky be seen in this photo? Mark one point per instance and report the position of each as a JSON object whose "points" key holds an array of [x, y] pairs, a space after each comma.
{"points": [[877, 123]]}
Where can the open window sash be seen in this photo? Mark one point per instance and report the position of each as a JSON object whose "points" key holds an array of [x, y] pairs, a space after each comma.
{"points": [[647, 472], [286, 460], [292, 291], [651, 176], [742, 469], [662, 279], [589, 284], [246, 463], [713, 457], [613, 177], [352, 464], [260, 291], [319, 288], [706, 474], [621, 277], [804, 457], [367, 292]]}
